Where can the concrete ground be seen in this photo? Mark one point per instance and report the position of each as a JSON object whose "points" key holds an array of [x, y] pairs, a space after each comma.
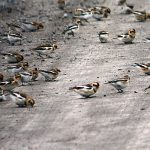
{"points": [[62, 120]]}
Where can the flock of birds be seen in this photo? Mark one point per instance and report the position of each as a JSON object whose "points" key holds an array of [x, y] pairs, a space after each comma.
{"points": [[21, 74]]}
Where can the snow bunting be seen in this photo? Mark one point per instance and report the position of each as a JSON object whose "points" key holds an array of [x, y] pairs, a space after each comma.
{"points": [[144, 67], [127, 37], [86, 90], [13, 57], [34, 72], [26, 77], [17, 68], [141, 15], [14, 37], [22, 99], [50, 75], [103, 36], [61, 4], [102, 10], [31, 26], [45, 49], [120, 83], [84, 15], [71, 29], [9, 85]]}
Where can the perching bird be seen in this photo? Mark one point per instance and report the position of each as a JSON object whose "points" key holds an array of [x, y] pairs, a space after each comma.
{"points": [[14, 37], [86, 90], [17, 68], [103, 36], [141, 15], [22, 99], [34, 72], [50, 75], [71, 29], [12, 57], [45, 49], [31, 26], [128, 37], [9, 85], [120, 83], [100, 12], [144, 67]]}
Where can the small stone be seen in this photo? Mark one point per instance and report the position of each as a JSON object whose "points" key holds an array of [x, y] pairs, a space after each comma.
{"points": [[104, 95], [135, 92], [142, 109]]}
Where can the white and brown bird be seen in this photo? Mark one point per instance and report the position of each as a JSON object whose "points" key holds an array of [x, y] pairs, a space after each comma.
{"points": [[103, 36], [12, 57], [72, 29], [45, 49], [141, 15], [144, 67], [31, 26], [50, 75], [22, 99], [128, 37], [14, 37], [120, 83], [17, 68], [86, 90], [9, 85]]}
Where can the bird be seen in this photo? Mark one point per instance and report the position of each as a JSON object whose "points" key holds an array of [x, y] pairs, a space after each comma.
{"points": [[141, 15], [17, 68], [22, 99], [86, 90], [14, 37], [102, 11], [120, 83], [13, 57], [71, 29], [82, 21], [9, 85], [26, 77], [128, 37], [50, 75], [2, 95], [103, 36], [83, 14], [45, 49], [31, 26], [1, 77], [34, 72], [61, 4], [144, 67]]}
